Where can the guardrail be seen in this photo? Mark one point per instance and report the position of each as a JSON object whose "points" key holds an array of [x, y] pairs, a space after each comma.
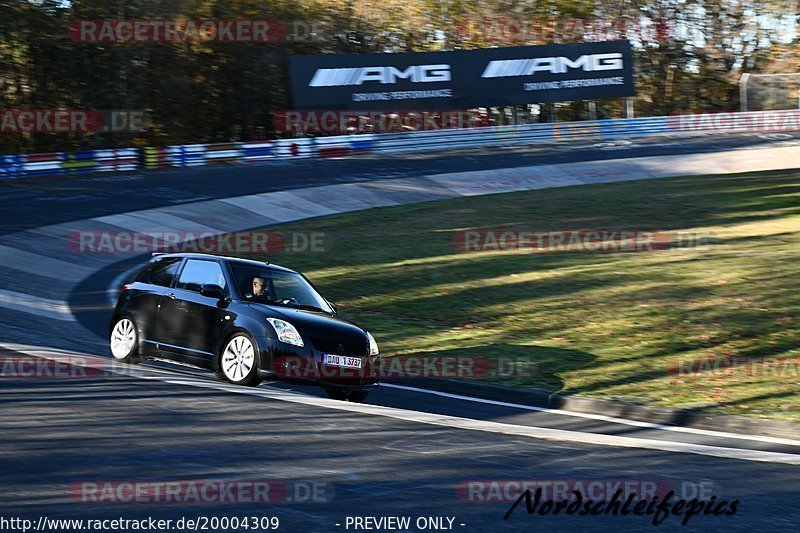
{"points": [[191, 155]]}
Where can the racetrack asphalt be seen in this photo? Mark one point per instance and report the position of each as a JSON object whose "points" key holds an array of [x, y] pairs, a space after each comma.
{"points": [[32, 203], [180, 424], [59, 433]]}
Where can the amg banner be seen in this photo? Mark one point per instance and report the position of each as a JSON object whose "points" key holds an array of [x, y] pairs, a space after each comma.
{"points": [[464, 79]]}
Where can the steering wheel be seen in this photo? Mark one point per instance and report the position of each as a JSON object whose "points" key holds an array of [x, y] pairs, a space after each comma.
{"points": [[287, 301]]}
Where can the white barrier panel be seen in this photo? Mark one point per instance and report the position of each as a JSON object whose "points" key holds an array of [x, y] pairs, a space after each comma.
{"points": [[295, 148], [188, 155], [338, 146], [123, 160], [223, 153]]}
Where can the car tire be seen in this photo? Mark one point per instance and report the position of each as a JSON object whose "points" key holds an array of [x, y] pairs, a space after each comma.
{"points": [[124, 341], [355, 396], [238, 360]]}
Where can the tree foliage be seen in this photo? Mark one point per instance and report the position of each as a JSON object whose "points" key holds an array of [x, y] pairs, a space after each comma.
{"points": [[208, 92]]}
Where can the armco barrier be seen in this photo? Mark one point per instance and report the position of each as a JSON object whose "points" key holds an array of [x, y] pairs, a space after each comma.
{"points": [[11, 166], [224, 153], [361, 144], [43, 164], [191, 155], [155, 158], [122, 160], [295, 148], [78, 162], [258, 151], [333, 147], [188, 155]]}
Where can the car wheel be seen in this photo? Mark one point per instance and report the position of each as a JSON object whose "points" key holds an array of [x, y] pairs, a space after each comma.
{"points": [[124, 341], [238, 361], [355, 396]]}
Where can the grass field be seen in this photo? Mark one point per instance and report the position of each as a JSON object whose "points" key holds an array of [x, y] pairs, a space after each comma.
{"points": [[608, 325]]}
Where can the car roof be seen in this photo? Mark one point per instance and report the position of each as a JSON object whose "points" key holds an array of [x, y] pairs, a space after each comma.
{"points": [[237, 260]]}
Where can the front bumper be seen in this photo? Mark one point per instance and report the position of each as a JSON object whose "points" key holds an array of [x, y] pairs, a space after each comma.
{"points": [[305, 365]]}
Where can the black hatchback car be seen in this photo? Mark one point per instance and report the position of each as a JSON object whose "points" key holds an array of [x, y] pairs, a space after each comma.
{"points": [[244, 320]]}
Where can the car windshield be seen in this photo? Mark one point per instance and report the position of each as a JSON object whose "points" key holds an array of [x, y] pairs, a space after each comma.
{"points": [[267, 285]]}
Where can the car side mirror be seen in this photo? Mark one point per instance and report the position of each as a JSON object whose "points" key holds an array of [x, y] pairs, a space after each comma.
{"points": [[333, 306], [212, 291]]}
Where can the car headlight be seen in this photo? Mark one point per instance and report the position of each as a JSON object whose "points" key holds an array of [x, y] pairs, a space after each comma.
{"points": [[373, 346], [286, 332]]}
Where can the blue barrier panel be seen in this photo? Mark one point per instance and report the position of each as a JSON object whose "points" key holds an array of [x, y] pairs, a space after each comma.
{"points": [[33, 172], [87, 154], [188, 155], [256, 150], [266, 150], [633, 127], [362, 145], [79, 162], [11, 166]]}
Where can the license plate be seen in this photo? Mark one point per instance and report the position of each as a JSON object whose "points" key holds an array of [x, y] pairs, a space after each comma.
{"points": [[341, 360]]}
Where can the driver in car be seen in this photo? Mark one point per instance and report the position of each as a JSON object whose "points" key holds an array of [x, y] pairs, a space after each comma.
{"points": [[260, 288]]}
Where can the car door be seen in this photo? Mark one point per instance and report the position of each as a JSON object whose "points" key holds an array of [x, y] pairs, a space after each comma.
{"points": [[156, 281], [190, 323]]}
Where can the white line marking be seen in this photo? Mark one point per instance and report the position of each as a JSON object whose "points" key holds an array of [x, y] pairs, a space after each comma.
{"points": [[604, 418], [25, 303], [496, 427], [451, 422], [46, 266]]}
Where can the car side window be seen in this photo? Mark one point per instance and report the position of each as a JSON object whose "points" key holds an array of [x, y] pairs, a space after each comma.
{"points": [[144, 273], [198, 272], [164, 270]]}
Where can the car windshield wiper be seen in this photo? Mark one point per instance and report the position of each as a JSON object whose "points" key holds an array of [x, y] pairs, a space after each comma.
{"points": [[283, 303], [307, 307]]}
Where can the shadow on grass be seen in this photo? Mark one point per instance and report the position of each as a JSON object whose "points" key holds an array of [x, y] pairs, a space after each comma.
{"points": [[496, 364]]}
